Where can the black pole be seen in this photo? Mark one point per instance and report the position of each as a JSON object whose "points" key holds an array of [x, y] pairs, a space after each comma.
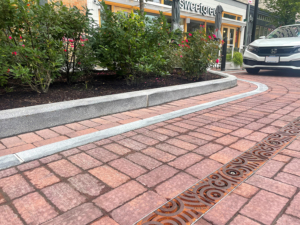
{"points": [[224, 54], [255, 20]]}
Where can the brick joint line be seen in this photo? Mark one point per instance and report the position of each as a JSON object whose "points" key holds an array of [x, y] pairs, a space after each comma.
{"points": [[50, 149], [192, 204]]}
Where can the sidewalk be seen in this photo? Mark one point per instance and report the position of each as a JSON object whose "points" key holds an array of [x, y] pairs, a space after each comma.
{"points": [[122, 179], [39, 138]]}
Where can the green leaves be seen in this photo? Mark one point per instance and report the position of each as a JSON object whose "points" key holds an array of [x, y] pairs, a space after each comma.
{"points": [[237, 59], [40, 52], [132, 44], [198, 52], [283, 12]]}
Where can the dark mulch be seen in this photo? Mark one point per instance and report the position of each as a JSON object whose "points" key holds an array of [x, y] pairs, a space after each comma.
{"points": [[99, 84]]}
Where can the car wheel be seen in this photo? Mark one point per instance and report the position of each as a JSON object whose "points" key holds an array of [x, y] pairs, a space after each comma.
{"points": [[252, 70]]}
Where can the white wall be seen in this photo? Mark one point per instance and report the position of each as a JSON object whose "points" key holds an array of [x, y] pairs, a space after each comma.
{"points": [[226, 7], [211, 3], [94, 10]]}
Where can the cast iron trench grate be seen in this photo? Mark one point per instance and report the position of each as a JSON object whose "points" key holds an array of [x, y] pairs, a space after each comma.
{"points": [[192, 204]]}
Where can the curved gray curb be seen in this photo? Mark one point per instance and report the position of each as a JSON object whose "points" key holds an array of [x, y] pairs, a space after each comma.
{"points": [[39, 117], [50, 149]]}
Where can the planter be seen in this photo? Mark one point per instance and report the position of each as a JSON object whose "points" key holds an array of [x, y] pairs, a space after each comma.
{"points": [[235, 67], [231, 66], [38, 117]]}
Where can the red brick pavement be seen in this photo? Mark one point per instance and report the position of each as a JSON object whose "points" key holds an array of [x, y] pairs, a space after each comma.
{"points": [[271, 196], [121, 179], [50, 135]]}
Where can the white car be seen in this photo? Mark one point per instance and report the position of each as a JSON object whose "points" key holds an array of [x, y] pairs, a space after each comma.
{"points": [[279, 50]]}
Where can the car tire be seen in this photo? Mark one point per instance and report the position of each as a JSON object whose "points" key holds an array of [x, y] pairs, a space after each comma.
{"points": [[252, 70]]}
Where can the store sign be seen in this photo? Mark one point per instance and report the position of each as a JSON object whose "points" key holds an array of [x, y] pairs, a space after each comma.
{"points": [[197, 8]]}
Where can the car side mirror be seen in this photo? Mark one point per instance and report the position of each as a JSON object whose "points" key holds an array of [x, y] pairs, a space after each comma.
{"points": [[262, 37]]}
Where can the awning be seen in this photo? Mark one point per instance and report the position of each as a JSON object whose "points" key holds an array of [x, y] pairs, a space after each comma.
{"points": [[168, 9]]}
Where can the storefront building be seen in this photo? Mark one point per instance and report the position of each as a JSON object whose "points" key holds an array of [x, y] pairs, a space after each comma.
{"points": [[193, 14], [263, 27]]}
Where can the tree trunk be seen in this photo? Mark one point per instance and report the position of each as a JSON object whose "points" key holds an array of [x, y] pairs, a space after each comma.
{"points": [[142, 6]]}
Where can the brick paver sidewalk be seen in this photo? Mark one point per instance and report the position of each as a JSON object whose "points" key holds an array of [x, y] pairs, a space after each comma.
{"points": [[121, 179], [39, 138], [272, 194]]}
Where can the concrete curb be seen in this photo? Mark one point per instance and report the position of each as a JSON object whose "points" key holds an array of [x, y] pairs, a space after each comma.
{"points": [[39, 117], [43, 151]]}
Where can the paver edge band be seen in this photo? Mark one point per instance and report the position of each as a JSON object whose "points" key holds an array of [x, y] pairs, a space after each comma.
{"points": [[43, 151], [140, 222], [39, 117]]}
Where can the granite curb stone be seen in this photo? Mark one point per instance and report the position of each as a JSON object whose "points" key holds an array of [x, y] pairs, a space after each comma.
{"points": [[38, 117], [36, 153]]}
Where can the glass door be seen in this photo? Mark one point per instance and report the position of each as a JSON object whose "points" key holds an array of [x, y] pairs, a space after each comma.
{"points": [[231, 36], [230, 33], [225, 33]]}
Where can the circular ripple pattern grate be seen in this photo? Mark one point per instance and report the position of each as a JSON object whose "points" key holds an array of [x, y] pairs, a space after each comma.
{"points": [[197, 200]]}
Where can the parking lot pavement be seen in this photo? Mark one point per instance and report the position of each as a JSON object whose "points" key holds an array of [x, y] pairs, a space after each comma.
{"points": [[122, 179]]}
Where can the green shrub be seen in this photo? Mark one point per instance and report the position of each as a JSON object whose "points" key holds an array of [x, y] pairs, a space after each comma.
{"points": [[172, 53], [31, 38], [79, 58], [4, 65], [228, 57], [29, 32], [237, 59], [132, 44], [199, 52]]}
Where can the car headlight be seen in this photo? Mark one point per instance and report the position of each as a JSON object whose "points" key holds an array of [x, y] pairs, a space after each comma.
{"points": [[297, 50], [252, 49]]}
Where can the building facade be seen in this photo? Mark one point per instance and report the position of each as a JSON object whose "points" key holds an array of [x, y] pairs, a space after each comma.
{"points": [[263, 27], [193, 14]]}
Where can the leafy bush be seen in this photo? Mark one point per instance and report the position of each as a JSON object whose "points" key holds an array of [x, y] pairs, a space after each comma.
{"points": [[79, 58], [237, 59], [29, 31], [133, 45], [31, 38], [4, 65], [173, 53], [199, 51], [229, 57]]}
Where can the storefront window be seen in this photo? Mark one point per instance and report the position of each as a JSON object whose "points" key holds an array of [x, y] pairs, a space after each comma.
{"points": [[152, 15], [168, 2], [261, 31], [229, 16], [210, 28], [169, 20], [257, 32], [232, 16], [225, 32], [232, 36], [194, 25], [156, 1]]}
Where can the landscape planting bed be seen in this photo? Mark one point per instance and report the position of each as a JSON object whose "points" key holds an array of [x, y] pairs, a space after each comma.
{"points": [[99, 84]]}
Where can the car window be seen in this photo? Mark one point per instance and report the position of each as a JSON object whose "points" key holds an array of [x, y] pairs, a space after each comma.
{"points": [[285, 32]]}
